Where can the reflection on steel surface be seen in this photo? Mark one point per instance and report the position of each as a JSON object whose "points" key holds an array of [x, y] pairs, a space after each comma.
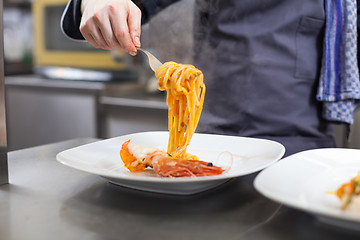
{"points": [[4, 178]]}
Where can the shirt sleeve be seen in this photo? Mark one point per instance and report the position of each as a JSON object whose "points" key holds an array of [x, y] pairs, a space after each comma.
{"points": [[71, 18]]}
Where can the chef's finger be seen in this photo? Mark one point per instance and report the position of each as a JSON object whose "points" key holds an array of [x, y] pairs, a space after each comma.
{"points": [[134, 23], [101, 20], [92, 34], [121, 32]]}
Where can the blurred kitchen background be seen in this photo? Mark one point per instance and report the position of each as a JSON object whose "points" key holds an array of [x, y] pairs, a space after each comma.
{"points": [[58, 89]]}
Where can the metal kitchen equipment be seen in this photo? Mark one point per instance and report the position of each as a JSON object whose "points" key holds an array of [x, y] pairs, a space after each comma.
{"points": [[4, 176]]}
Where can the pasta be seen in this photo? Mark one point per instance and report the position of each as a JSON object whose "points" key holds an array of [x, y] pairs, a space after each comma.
{"points": [[185, 97]]}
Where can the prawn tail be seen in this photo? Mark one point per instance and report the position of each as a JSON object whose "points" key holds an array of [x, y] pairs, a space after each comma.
{"points": [[129, 160]]}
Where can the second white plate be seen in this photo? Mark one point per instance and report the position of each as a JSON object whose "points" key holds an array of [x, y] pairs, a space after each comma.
{"points": [[238, 155], [304, 180]]}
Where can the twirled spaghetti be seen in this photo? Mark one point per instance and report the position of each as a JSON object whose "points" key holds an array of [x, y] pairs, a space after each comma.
{"points": [[185, 97]]}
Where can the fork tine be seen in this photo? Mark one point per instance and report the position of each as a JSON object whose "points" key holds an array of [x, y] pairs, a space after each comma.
{"points": [[153, 61]]}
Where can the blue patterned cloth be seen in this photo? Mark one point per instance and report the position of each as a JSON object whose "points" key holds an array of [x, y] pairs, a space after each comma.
{"points": [[339, 86]]}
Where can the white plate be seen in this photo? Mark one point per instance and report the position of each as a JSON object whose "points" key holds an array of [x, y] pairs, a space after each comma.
{"points": [[103, 158], [303, 181]]}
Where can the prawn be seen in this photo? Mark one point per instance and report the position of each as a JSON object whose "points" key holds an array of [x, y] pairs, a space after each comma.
{"points": [[348, 191], [136, 158]]}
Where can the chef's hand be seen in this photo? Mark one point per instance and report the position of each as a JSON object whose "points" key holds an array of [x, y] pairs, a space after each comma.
{"points": [[111, 24]]}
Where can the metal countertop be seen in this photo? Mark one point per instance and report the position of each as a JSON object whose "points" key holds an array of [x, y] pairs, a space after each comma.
{"points": [[47, 200]]}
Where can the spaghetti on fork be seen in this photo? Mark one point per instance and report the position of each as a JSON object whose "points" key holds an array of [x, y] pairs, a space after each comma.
{"points": [[185, 97]]}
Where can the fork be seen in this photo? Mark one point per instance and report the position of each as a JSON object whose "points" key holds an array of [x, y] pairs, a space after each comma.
{"points": [[153, 61]]}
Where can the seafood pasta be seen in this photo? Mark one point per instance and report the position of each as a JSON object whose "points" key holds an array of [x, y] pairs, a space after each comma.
{"points": [[185, 96]]}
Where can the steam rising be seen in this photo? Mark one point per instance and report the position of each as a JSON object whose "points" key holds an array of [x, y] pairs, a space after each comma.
{"points": [[170, 34]]}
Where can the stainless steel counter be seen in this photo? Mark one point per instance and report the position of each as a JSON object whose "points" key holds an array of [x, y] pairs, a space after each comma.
{"points": [[46, 200]]}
